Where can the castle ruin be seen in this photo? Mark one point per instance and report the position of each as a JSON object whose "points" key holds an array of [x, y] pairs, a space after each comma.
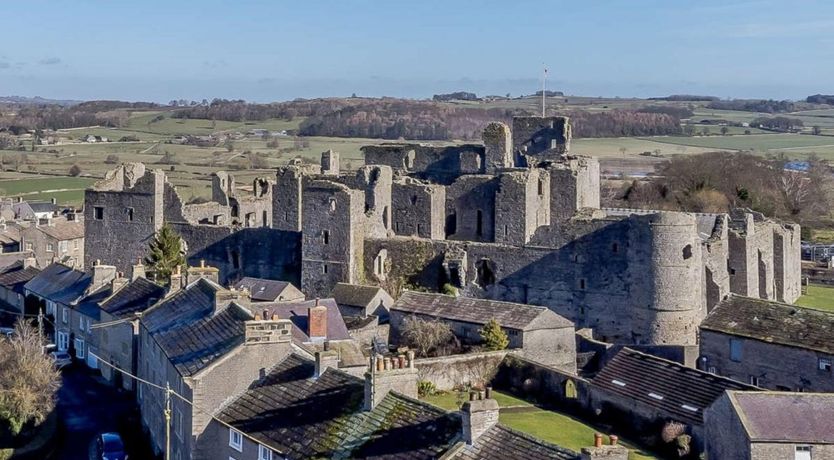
{"points": [[515, 219]]}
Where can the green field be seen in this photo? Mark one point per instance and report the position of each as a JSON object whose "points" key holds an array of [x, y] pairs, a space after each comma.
{"points": [[66, 190], [756, 142], [553, 427], [818, 297]]}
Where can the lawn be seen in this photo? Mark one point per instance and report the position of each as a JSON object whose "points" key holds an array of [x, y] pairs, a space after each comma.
{"points": [[554, 427], [818, 297]]}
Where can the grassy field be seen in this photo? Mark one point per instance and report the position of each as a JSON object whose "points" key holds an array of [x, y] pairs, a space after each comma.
{"points": [[757, 142], [66, 190], [554, 427], [818, 297]]}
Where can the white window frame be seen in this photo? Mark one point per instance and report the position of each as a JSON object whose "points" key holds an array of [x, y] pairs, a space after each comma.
{"points": [[50, 307], [62, 340], [824, 364], [81, 323], [50, 247], [65, 315], [264, 453], [753, 380], [178, 423], [236, 444], [79, 348]]}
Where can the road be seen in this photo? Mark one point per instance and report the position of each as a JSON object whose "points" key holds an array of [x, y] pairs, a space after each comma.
{"points": [[87, 408]]}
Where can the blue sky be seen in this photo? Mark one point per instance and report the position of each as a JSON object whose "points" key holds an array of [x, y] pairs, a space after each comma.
{"points": [[278, 50]]}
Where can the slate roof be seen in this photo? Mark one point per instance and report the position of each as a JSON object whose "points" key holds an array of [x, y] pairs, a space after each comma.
{"points": [[42, 206], [682, 392], [786, 416], [500, 442], [304, 417], [15, 277], [136, 296], [263, 289], [354, 295], [59, 283], [297, 313], [189, 331], [62, 230], [477, 311], [773, 322]]}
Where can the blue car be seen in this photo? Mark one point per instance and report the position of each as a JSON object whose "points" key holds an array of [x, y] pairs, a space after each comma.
{"points": [[111, 447]]}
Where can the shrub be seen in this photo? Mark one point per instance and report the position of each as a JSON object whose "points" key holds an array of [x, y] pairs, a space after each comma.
{"points": [[448, 289], [112, 159], [75, 170], [494, 337], [433, 338], [426, 388]]}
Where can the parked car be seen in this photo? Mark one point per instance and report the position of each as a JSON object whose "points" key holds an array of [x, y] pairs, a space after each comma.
{"points": [[62, 359], [111, 447]]}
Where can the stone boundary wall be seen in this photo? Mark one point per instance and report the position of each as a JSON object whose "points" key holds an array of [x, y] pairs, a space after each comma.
{"points": [[543, 384], [450, 372]]}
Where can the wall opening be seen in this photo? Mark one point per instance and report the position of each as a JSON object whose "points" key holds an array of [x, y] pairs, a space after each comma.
{"points": [[451, 224], [485, 273], [98, 212], [265, 223], [541, 187], [235, 211], [235, 260], [325, 237], [332, 203], [385, 219], [762, 276], [687, 251], [479, 223], [413, 200], [324, 269], [582, 284], [379, 262], [615, 248]]}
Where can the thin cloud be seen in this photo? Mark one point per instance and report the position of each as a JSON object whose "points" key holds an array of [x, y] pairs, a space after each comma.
{"points": [[781, 30], [50, 61]]}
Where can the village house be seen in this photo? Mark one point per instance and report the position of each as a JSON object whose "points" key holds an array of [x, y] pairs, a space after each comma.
{"points": [[769, 344], [12, 281], [645, 391], [263, 290], [57, 291], [542, 336], [54, 239], [303, 409], [771, 425], [206, 347], [357, 300]]}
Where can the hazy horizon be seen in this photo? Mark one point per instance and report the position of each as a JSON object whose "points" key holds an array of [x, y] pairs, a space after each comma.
{"points": [[270, 51]]}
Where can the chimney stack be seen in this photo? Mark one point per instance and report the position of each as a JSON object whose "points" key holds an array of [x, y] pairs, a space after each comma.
{"points": [[137, 270], [266, 330], [317, 322], [176, 280], [480, 414], [102, 274], [386, 374], [202, 271], [30, 262], [600, 451], [325, 359], [118, 282]]}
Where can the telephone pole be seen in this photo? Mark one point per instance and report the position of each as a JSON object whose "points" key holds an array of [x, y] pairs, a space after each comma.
{"points": [[167, 421]]}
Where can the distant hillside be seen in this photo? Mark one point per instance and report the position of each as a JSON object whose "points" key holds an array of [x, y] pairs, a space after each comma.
{"points": [[37, 100]]}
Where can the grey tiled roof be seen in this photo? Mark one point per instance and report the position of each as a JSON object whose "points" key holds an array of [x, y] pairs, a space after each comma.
{"points": [[189, 330], [477, 311], [500, 442], [773, 322], [136, 296], [16, 277], [304, 417], [63, 230], [262, 289], [786, 417], [355, 295], [59, 283], [297, 313], [663, 385]]}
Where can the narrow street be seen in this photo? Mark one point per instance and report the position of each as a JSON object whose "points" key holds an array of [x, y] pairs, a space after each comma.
{"points": [[87, 408]]}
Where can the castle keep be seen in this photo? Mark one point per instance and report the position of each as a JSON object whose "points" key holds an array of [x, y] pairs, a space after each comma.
{"points": [[516, 219]]}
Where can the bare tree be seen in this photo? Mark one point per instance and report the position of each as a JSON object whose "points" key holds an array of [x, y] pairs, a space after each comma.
{"points": [[28, 379], [427, 337]]}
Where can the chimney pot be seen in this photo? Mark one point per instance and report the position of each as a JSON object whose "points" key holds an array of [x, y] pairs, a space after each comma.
{"points": [[202, 263], [265, 314], [401, 361], [597, 440], [614, 438], [257, 317], [317, 301], [488, 392], [410, 359], [98, 262], [379, 364], [472, 396]]}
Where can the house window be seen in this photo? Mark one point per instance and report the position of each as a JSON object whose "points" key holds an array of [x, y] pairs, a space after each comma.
{"points": [[824, 364], [50, 307], [98, 212], [264, 453], [735, 350], [63, 341], [76, 243], [802, 453], [324, 269], [712, 370], [754, 380], [50, 247], [28, 246], [79, 348], [235, 440], [62, 246], [65, 315], [81, 323], [129, 212]]}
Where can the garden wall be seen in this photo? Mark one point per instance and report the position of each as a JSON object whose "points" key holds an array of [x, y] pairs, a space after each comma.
{"points": [[450, 372]]}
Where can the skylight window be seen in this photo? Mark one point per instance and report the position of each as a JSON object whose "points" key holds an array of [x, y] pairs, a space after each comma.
{"points": [[656, 396], [689, 408], [618, 383]]}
